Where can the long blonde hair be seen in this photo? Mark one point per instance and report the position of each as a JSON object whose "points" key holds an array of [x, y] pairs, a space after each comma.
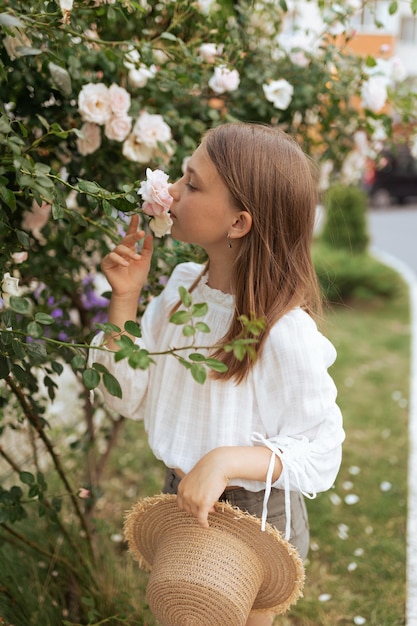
{"points": [[269, 176]]}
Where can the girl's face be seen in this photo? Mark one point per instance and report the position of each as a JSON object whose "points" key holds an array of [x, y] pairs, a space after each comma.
{"points": [[202, 210]]}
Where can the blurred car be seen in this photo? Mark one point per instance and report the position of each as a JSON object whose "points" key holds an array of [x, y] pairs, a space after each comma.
{"points": [[391, 178]]}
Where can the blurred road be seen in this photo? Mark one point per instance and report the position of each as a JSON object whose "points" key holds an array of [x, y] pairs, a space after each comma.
{"points": [[394, 231], [394, 234]]}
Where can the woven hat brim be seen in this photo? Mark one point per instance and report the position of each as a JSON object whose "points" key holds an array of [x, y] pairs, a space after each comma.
{"points": [[283, 571]]}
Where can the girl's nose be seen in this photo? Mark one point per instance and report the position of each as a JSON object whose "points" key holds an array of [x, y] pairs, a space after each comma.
{"points": [[172, 190]]}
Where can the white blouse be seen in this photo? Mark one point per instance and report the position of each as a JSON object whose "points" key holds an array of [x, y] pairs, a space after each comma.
{"points": [[287, 402]]}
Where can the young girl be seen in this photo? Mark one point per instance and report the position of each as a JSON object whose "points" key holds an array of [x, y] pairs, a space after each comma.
{"points": [[248, 197]]}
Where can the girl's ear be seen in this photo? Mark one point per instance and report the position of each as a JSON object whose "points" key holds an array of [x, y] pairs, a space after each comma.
{"points": [[241, 225]]}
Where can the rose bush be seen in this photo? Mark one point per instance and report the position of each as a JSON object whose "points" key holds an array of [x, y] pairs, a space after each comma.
{"points": [[92, 95]]}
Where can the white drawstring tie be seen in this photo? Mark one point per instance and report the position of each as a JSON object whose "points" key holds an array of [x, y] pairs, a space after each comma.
{"points": [[283, 447]]}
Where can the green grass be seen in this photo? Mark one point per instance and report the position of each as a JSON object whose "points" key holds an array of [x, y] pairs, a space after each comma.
{"points": [[357, 559]]}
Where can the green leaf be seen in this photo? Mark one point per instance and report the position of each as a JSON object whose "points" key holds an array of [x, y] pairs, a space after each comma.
{"points": [[33, 491], [100, 368], [168, 36], [393, 7], [8, 197], [414, 6], [78, 362], [27, 478], [239, 351], [18, 349], [10, 21], [109, 328], [112, 385], [58, 211], [91, 378], [202, 327], [185, 296], [140, 359], [34, 330], [57, 367], [44, 318], [188, 331], [133, 328], [180, 317], [124, 342], [197, 356], [20, 305], [216, 365], [88, 187], [5, 366], [36, 350], [199, 373], [200, 309], [23, 238]]}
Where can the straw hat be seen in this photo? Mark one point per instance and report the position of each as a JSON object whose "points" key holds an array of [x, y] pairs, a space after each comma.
{"points": [[214, 576]]}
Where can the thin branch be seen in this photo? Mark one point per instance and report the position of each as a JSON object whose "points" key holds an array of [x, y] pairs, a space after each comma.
{"points": [[36, 423]]}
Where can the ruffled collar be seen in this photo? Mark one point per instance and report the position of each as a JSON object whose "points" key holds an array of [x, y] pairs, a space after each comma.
{"points": [[213, 296]]}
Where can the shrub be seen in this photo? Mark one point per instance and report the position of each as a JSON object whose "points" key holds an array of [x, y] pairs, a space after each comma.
{"points": [[345, 223], [344, 276]]}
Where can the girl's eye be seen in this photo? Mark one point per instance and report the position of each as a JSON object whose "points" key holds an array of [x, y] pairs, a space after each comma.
{"points": [[190, 187]]}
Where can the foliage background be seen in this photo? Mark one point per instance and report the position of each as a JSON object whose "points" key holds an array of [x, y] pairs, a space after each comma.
{"points": [[47, 454]]}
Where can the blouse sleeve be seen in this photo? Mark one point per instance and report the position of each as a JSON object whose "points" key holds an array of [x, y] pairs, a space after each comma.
{"points": [[297, 402], [134, 382]]}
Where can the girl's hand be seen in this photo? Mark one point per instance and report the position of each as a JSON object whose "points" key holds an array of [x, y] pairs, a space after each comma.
{"points": [[124, 268], [202, 487]]}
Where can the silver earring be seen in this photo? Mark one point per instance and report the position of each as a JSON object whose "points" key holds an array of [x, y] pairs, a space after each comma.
{"points": [[229, 241]]}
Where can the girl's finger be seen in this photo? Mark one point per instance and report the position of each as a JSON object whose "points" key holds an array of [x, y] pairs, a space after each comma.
{"points": [[133, 225], [126, 251]]}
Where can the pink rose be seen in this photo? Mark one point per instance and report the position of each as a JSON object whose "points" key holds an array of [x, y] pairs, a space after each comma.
{"points": [[91, 140], [118, 127], [19, 257], [119, 100], [36, 219], [94, 103], [224, 79], [154, 191]]}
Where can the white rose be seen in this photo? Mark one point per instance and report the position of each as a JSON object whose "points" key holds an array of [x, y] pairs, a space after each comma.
{"points": [[208, 52], [279, 92], [353, 167], [119, 100], [361, 141], [398, 70], [137, 151], [224, 79], [132, 58], [151, 129], [374, 93], [66, 5], [205, 6], [91, 140], [94, 103], [118, 127], [139, 77], [9, 287], [161, 224]]}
